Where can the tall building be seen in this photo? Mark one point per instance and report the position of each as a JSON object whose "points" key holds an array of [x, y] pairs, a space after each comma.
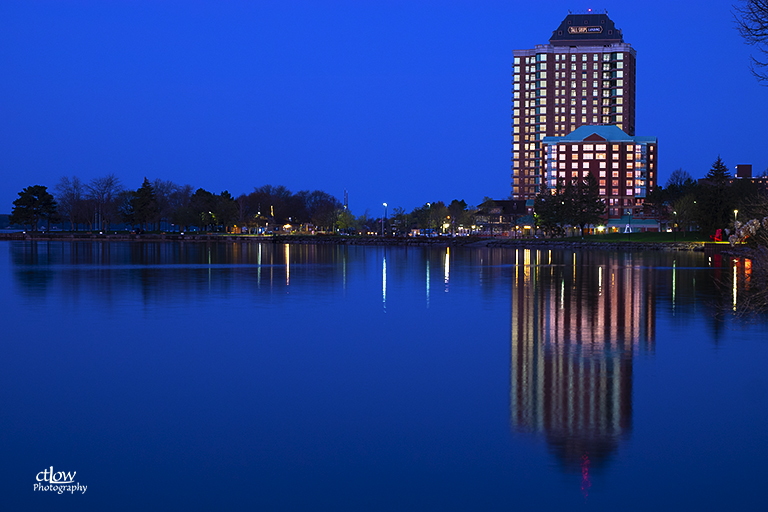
{"points": [[585, 75]]}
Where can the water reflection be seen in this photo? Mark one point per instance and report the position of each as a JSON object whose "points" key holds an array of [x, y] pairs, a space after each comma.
{"points": [[576, 325]]}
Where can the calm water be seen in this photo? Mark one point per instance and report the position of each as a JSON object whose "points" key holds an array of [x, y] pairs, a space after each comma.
{"points": [[274, 377]]}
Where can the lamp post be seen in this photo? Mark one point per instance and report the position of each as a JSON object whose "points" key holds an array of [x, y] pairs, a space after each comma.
{"points": [[674, 228], [735, 213], [429, 226], [382, 219]]}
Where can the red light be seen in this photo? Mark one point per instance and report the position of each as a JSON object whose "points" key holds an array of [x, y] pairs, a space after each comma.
{"points": [[585, 482]]}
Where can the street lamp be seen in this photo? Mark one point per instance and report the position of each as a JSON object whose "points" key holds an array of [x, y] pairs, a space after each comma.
{"points": [[429, 226], [735, 213], [382, 219], [674, 228]]}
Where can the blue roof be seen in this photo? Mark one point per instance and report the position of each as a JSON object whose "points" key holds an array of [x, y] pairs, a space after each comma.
{"points": [[608, 132]]}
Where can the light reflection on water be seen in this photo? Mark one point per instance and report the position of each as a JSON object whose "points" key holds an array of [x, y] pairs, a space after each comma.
{"points": [[572, 347], [333, 369]]}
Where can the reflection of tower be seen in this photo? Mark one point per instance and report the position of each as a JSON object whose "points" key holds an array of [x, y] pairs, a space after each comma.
{"points": [[576, 322]]}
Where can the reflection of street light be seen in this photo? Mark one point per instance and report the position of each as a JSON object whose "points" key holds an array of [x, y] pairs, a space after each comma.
{"points": [[382, 219]]}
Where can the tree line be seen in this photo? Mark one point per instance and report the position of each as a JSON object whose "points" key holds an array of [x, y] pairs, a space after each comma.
{"points": [[715, 202], [103, 203]]}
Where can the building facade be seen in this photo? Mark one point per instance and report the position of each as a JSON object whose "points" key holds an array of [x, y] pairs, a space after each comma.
{"points": [[624, 166], [585, 75]]}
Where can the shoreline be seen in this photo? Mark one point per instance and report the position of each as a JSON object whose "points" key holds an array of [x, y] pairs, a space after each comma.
{"points": [[481, 242]]}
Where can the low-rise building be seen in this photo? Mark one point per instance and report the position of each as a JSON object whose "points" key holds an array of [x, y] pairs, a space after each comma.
{"points": [[624, 166]]}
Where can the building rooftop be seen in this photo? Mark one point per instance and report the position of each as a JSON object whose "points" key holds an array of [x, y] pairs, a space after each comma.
{"points": [[601, 132], [586, 29]]}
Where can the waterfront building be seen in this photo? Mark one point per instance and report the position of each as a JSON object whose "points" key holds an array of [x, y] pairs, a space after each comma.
{"points": [[585, 75], [503, 217], [624, 166]]}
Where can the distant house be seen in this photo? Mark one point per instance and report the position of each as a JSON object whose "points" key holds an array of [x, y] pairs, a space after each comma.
{"points": [[503, 217]]}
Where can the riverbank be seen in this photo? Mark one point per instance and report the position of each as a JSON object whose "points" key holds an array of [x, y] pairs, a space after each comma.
{"points": [[465, 241]]}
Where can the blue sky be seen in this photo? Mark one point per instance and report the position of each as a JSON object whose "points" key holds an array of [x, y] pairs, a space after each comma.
{"points": [[397, 102]]}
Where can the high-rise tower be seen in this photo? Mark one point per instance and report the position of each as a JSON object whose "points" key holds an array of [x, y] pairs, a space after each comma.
{"points": [[585, 75]]}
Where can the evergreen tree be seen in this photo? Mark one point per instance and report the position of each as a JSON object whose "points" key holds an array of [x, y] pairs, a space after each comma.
{"points": [[715, 200], [719, 175], [582, 203], [145, 209], [546, 207], [34, 204]]}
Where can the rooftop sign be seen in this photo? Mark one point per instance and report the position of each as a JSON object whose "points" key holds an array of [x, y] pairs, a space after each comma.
{"points": [[585, 30]]}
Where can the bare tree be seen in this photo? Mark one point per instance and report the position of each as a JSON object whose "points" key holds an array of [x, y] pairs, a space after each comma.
{"points": [[164, 197], [69, 195], [103, 192], [752, 21]]}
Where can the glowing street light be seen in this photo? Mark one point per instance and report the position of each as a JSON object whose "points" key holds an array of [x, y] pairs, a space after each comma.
{"points": [[674, 228], [382, 219], [429, 226]]}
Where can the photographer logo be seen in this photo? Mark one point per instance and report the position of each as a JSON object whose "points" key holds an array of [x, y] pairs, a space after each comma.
{"points": [[58, 481]]}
